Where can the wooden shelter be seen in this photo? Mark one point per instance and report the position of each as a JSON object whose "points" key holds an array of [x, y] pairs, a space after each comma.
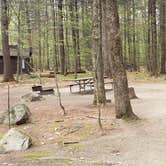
{"points": [[24, 61]]}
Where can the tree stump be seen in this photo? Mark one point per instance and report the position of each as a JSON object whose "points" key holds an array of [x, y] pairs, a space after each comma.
{"points": [[132, 94]]}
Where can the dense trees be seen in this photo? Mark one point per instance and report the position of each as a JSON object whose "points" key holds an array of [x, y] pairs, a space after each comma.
{"points": [[61, 30]]}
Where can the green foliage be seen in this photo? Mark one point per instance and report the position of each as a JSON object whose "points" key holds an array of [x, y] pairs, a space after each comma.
{"points": [[38, 154], [140, 75], [72, 76]]}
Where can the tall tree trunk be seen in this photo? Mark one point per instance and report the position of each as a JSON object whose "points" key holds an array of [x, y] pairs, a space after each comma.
{"points": [[152, 38], [8, 76], [29, 37], [163, 35], [125, 35], [106, 27], [129, 34], [77, 36], [61, 37], [99, 96], [67, 37], [122, 102], [39, 36], [18, 42], [74, 36], [134, 36], [54, 35], [47, 38]]}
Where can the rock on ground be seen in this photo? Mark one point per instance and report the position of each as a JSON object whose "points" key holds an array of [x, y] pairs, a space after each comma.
{"points": [[14, 140], [31, 97], [19, 114]]}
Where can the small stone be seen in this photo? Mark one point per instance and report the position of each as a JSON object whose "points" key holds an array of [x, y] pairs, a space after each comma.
{"points": [[57, 133], [82, 158], [51, 138]]}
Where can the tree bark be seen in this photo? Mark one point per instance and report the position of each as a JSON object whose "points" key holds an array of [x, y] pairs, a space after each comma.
{"points": [[74, 37], [61, 37], [39, 37], [77, 36], [29, 30], [152, 38], [121, 93], [99, 96], [8, 76], [129, 34], [47, 38], [134, 36], [163, 35], [54, 35], [106, 28]]}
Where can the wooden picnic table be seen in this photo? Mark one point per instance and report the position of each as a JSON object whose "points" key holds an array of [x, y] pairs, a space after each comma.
{"points": [[82, 83]]}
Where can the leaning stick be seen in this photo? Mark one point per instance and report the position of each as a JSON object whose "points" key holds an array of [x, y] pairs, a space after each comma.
{"points": [[9, 105]]}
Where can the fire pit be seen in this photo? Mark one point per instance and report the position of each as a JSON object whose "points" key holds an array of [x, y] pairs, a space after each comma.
{"points": [[36, 88]]}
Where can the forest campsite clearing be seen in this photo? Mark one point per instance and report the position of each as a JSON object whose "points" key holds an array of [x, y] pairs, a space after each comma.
{"points": [[135, 143], [82, 83]]}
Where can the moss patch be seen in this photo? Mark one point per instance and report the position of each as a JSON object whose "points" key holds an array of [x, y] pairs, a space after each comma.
{"points": [[1, 135], [102, 164], [39, 154], [139, 75], [72, 76], [86, 132], [73, 146], [64, 160]]}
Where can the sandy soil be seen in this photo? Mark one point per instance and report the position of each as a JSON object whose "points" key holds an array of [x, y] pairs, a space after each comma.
{"points": [[140, 143]]}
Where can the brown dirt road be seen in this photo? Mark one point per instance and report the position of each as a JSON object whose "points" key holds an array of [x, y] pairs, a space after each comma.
{"points": [[141, 143]]}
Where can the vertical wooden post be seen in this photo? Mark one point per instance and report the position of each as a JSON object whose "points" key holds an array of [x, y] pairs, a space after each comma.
{"points": [[9, 104]]}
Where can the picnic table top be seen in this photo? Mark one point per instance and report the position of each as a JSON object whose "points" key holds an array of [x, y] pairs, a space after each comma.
{"points": [[84, 78]]}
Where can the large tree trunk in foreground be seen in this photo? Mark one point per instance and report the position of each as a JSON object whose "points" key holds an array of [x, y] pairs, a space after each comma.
{"points": [[97, 53], [8, 76], [122, 102]]}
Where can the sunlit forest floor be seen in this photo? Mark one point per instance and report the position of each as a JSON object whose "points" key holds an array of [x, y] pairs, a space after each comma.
{"points": [[136, 143]]}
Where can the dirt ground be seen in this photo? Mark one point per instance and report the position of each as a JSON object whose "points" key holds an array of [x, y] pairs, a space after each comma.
{"points": [[140, 143]]}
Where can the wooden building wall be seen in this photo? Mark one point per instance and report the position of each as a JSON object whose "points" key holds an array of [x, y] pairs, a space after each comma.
{"points": [[14, 65]]}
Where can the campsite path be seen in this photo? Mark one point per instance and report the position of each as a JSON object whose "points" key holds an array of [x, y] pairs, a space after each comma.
{"points": [[140, 143]]}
